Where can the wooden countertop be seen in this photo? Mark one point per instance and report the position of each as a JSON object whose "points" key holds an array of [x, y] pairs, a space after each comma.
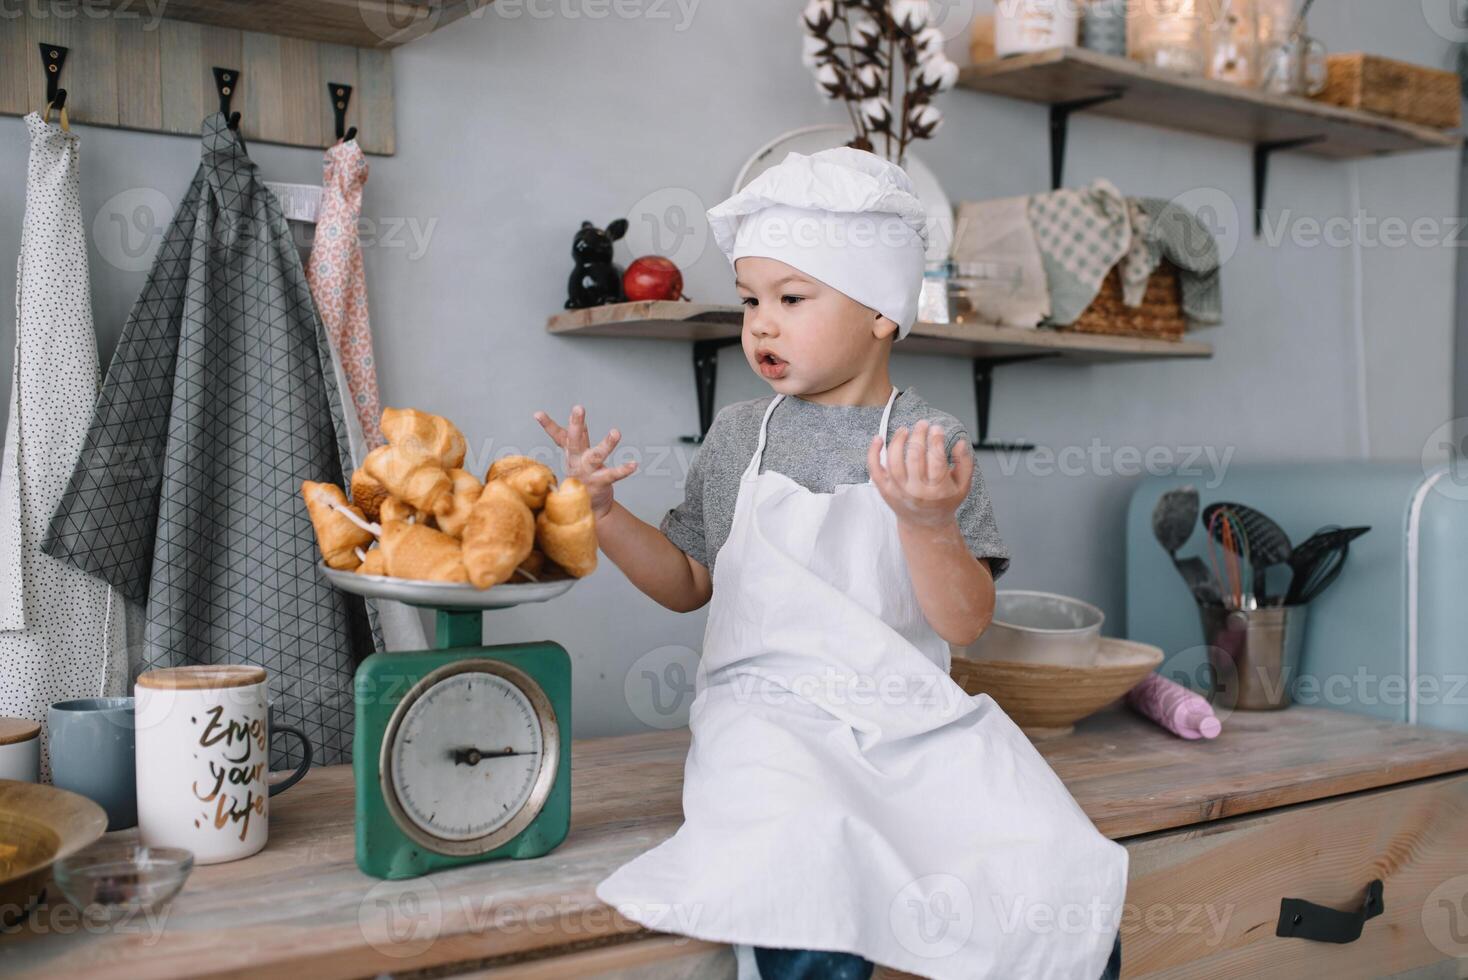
{"points": [[301, 907]]}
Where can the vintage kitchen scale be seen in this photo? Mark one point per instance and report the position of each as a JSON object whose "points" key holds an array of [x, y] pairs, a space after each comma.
{"points": [[462, 753]]}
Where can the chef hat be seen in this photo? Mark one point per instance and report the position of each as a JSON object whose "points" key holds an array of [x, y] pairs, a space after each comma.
{"points": [[845, 216]]}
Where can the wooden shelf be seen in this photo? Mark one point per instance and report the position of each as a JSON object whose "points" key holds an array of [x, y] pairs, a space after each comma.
{"points": [[359, 23], [667, 320], [712, 327], [1198, 105]]}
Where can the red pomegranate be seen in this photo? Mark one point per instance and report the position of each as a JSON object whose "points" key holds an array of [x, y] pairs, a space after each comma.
{"points": [[652, 277]]}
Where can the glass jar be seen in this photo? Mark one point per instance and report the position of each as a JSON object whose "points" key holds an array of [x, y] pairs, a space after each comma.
{"points": [[1290, 62], [1232, 42], [1166, 34]]}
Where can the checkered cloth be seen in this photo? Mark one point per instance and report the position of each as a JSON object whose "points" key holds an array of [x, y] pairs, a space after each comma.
{"points": [[1082, 232]]}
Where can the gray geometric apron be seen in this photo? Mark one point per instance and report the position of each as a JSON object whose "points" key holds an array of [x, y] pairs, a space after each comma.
{"points": [[219, 401], [62, 632]]}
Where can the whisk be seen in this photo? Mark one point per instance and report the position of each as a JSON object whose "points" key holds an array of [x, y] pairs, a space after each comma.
{"points": [[1235, 541]]}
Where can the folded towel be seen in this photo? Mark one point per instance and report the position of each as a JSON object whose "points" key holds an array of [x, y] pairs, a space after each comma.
{"points": [[998, 261], [1163, 229]]}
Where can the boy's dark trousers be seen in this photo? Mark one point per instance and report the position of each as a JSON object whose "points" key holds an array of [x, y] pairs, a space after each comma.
{"points": [[813, 964]]}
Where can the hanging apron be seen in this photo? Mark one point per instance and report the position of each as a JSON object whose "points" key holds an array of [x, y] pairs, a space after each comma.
{"points": [[841, 792], [338, 284], [62, 632], [217, 404]]}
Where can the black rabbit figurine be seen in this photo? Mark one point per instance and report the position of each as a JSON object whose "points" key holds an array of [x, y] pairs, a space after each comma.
{"points": [[595, 280]]}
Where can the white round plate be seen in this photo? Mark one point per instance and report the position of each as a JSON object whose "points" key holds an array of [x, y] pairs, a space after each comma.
{"points": [[814, 139], [444, 595]]}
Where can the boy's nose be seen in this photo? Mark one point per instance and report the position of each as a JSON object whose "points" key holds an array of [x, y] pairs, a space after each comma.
{"points": [[760, 323]]}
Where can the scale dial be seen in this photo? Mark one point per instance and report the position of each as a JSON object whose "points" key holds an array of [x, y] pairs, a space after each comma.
{"points": [[469, 756]]}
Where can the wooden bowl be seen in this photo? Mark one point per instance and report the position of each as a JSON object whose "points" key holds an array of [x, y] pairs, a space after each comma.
{"points": [[1046, 700], [39, 824]]}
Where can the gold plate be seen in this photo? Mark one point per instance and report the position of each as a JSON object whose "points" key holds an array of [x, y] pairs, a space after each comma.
{"points": [[39, 825]]}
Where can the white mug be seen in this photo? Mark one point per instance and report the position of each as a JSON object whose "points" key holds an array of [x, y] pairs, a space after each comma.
{"points": [[203, 760], [20, 749]]}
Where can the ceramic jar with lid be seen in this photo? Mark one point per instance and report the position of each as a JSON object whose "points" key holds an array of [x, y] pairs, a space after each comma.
{"points": [[20, 749]]}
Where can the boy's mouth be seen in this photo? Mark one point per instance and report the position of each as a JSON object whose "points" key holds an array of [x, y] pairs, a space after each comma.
{"points": [[770, 366]]}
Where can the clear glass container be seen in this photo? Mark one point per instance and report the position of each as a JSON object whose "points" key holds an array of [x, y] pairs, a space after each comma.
{"points": [[1232, 41], [1167, 34], [113, 879]]}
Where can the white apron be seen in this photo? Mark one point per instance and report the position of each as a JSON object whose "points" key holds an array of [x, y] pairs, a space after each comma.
{"points": [[62, 632], [841, 791]]}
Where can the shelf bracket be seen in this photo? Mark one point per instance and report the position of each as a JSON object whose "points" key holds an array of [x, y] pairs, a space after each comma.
{"points": [[705, 374], [1060, 125], [984, 395], [1262, 153]]}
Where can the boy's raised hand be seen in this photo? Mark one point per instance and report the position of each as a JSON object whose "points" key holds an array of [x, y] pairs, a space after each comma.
{"points": [[917, 482], [586, 462]]}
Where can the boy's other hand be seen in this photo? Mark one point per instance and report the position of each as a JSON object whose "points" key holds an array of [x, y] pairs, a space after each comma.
{"points": [[586, 462], [917, 482]]}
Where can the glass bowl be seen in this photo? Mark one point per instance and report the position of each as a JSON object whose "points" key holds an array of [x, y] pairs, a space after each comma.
{"points": [[113, 879]]}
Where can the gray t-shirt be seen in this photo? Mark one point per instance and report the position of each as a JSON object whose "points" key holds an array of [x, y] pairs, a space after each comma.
{"points": [[817, 446]]}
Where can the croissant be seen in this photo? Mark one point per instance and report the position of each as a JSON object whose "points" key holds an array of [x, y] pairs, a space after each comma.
{"points": [[394, 509], [373, 564], [368, 494], [423, 434], [415, 551], [466, 494], [498, 536], [337, 535], [530, 478], [566, 530], [415, 479]]}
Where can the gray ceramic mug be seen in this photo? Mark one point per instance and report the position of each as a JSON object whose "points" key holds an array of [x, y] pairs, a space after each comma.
{"points": [[92, 753]]}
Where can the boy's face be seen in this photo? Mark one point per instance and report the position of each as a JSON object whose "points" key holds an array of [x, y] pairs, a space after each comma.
{"points": [[801, 335]]}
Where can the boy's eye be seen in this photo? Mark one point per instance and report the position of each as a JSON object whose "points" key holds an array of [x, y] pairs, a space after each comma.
{"points": [[792, 300], [748, 301]]}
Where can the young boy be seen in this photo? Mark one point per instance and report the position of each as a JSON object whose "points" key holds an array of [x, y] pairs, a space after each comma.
{"points": [[845, 803]]}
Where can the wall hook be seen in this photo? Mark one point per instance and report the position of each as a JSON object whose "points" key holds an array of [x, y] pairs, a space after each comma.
{"points": [[341, 97], [53, 57], [227, 82]]}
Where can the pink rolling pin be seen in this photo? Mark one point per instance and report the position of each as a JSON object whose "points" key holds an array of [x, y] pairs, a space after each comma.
{"points": [[1174, 707]]}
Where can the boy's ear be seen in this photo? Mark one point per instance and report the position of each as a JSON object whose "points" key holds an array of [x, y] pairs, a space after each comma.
{"points": [[883, 328]]}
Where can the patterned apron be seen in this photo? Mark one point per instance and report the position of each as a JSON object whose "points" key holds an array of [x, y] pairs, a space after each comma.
{"points": [[62, 632], [218, 402]]}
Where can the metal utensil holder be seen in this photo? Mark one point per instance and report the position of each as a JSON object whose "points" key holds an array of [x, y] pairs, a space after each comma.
{"points": [[1254, 654]]}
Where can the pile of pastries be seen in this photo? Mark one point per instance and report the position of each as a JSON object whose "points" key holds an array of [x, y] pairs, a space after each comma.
{"points": [[415, 513]]}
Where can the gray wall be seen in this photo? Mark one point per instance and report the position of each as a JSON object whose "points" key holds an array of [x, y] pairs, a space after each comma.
{"points": [[513, 130]]}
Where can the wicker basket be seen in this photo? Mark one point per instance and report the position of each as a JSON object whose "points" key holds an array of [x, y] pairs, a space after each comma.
{"points": [[1160, 316], [1414, 93]]}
